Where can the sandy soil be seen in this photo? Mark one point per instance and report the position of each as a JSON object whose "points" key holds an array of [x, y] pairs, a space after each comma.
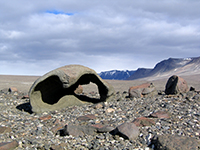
{"points": [[23, 83], [192, 80]]}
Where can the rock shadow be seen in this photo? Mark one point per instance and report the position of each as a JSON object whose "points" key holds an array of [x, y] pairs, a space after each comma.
{"points": [[25, 107]]}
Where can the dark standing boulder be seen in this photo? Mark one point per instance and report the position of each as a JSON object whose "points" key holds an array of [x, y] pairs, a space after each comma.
{"points": [[55, 90], [176, 85], [143, 90]]}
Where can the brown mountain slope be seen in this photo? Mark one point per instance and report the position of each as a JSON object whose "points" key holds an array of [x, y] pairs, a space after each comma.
{"points": [[171, 66]]}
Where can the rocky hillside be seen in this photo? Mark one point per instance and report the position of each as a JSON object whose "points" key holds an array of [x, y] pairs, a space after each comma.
{"points": [[116, 74], [178, 66], [165, 68]]}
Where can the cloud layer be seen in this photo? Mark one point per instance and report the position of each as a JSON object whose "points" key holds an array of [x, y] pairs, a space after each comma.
{"points": [[39, 36]]}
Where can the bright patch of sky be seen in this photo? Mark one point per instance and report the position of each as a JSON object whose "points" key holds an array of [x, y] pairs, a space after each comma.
{"points": [[58, 12]]}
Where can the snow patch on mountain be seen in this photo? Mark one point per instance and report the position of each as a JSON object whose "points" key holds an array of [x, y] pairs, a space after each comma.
{"points": [[116, 74]]}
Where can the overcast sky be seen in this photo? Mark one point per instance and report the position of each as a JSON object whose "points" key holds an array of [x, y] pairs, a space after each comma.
{"points": [[41, 35]]}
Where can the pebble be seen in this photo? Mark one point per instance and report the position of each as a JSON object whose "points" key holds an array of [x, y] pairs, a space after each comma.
{"points": [[98, 122], [109, 110]]}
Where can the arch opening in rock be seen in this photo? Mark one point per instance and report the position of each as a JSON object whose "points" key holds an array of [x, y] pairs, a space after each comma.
{"points": [[56, 89], [52, 89], [91, 90]]}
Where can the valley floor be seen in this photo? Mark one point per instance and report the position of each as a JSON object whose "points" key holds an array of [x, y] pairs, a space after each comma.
{"points": [[23, 83]]}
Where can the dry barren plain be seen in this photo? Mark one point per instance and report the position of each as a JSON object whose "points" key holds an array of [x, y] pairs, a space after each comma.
{"points": [[23, 83]]}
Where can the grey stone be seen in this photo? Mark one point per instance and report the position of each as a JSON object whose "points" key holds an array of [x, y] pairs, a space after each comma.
{"points": [[160, 114], [55, 90], [78, 130], [172, 142], [128, 131]]}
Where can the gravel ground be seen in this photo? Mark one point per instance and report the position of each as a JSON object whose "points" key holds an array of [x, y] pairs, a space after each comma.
{"points": [[45, 131], [41, 131]]}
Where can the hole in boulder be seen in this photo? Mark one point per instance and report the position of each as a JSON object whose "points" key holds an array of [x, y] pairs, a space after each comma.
{"points": [[91, 90], [52, 89]]}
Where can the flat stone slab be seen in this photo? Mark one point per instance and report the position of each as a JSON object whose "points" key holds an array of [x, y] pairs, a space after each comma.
{"points": [[160, 114]]}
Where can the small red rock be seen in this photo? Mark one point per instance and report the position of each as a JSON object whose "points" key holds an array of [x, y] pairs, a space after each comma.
{"points": [[143, 121], [12, 89], [143, 90], [87, 117], [97, 126], [56, 128], [25, 97], [46, 117], [160, 114], [102, 128]]}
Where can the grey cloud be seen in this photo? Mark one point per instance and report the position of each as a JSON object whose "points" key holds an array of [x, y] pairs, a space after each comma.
{"points": [[108, 34]]}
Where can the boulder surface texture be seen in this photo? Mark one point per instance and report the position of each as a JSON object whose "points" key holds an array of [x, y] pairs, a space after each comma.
{"points": [[55, 90], [176, 85]]}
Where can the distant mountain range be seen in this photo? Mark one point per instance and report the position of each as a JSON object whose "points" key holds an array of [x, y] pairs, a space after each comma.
{"points": [[116, 74], [165, 68]]}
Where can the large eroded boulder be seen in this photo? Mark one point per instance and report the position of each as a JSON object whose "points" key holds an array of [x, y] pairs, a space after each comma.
{"points": [[176, 85], [55, 90]]}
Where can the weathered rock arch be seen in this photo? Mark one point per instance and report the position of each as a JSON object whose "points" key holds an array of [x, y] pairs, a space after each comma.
{"points": [[55, 90]]}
